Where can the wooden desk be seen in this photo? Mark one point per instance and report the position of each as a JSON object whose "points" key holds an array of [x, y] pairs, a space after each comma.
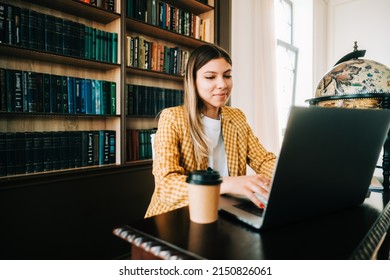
{"points": [[355, 233]]}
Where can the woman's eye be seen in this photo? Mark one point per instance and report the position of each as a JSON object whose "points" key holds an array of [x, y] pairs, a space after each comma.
{"points": [[228, 76], [209, 77]]}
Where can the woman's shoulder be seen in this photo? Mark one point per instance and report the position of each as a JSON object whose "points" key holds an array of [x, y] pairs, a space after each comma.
{"points": [[232, 112], [176, 112]]}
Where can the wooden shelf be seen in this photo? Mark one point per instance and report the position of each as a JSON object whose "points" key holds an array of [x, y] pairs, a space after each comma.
{"points": [[20, 52], [194, 6], [163, 34], [156, 74]]}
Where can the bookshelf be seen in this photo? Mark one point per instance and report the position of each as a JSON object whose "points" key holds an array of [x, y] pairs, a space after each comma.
{"points": [[42, 47], [20, 57], [170, 25]]}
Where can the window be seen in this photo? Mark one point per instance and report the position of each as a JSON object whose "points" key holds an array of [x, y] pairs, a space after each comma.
{"points": [[286, 59]]}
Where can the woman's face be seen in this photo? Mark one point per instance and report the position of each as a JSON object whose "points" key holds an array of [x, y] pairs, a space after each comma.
{"points": [[214, 84]]}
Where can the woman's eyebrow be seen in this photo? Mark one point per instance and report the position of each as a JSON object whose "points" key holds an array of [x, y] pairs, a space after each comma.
{"points": [[214, 72]]}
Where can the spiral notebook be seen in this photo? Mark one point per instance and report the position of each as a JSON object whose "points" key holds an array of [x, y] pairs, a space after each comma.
{"points": [[326, 163]]}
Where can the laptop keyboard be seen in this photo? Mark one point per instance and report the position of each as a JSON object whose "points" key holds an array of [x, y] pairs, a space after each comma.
{"points": [[248, 206]]}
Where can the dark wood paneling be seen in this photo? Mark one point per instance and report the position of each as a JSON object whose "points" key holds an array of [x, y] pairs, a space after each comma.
{"points": [[71, 216]]}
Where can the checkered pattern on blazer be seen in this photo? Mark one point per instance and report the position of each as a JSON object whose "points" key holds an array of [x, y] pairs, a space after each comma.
{"points": [[174, 155]]}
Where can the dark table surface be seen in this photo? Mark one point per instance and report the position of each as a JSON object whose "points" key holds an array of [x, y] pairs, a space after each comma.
{"points": [[349, 234]]}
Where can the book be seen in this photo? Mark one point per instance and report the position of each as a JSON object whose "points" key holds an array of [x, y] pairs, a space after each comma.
{"points": [[3, 152], [88, 96], [104, 147], [55, 93], [10, 153], [97, 85], [106, 97], [47, 150], [9, 25], [56, 150], [114, 48], [3, 89], [96, 146], [10, 88], [76, 147], [86, 148], [3, 9], [18, 90], [112, 98], [46, 93], [71, 95], [82, 97], [68, 37], [17, 19], [20, 156], [77, 95], [32, 92], [39, 92], [65, 96], [112, 146], [37, 151], [50, 33], [36, 30], [24, 91], [130, 100], [64, 149], [24, 28], [29, 151]]}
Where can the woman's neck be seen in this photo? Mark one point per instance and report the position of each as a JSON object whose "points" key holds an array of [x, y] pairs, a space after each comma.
{"points": [[212, 113]]}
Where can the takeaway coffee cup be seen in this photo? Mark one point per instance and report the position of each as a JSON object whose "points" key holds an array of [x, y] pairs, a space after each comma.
{"points": [[203, 195]]}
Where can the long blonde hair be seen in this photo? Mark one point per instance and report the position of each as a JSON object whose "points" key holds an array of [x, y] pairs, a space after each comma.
{"points": [[193, 104]]}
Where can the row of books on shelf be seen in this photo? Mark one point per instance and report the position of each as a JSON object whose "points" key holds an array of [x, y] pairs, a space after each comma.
{"points": [[169, 17], [33, 152], [148, 101], [27, 91], [139, 144], [145, 54], [108, 5], [35, 30]]}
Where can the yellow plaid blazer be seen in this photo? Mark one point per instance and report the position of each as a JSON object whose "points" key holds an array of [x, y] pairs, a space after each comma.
{"points": [[174, 155]]}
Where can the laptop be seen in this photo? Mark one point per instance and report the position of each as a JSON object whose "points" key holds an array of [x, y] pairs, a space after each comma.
{"points": [[326, 163]]}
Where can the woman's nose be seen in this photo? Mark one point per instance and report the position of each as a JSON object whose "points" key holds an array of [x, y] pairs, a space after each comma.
{"points": [[221, 83]]}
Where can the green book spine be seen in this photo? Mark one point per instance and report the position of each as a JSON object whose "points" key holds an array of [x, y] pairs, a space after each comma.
{"points": [[113, 98], [38, 151], [104, 147], [10, 88], [65, 96], [10, 153], [87, 42], [71, 96], [17, 91], [114, 48], [46, 93], [20, 156], [32, 93], [3, 154], [3, 89], [29, 151], [56, 150], [39, 92], [24, 91], [64, 149], [112, 146], [47, 151], [96, 152]]}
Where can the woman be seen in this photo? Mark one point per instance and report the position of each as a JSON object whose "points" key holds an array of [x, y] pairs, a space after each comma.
{"points": [[205, 133]]}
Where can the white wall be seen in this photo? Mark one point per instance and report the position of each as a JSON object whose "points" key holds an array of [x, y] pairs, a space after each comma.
{"points": [[242, 56], [364, 21]]}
